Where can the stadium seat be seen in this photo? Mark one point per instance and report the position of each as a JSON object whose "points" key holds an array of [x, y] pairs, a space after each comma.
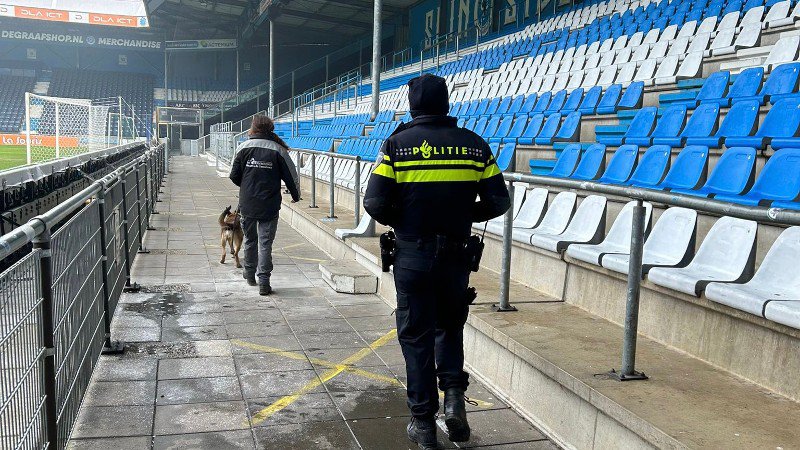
{"points": [[702, 123], [618, 239], [590, 100], [668, 126], [733, 174], [727, 254], [641, 125], [573, 101], [781, 83], [608, 103], [531, 130], [556, 102], [586, 227], [747, 84], [567, 161], [529, 104], [632, 98], [555, 220], [715, 87], [652, 167], [549, 129], [779, 181], [740, 120], [542, 103], [506, 156], [621, 166], [670, 243], [570, 129], [773, 282], [592, 163], [503, 128], [782, 121], [529, 215], [495, 148], [689, 170]]}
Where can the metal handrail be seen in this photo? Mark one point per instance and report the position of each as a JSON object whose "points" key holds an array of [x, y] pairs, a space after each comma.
{"points": [[776, 216]]}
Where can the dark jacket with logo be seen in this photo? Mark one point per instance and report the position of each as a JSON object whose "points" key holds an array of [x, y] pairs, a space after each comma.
{"points": [[258, 169], [435, 178]]}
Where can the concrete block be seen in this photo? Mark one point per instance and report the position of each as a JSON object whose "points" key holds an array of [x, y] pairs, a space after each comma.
{"points": [[349, 277]]}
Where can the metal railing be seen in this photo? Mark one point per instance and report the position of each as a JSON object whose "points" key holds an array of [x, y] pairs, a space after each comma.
{"points": [[639, 195], [58, 301]]}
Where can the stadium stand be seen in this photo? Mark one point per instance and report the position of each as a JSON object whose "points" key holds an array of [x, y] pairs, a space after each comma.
{"points": [[12, 111], [136, 89]]}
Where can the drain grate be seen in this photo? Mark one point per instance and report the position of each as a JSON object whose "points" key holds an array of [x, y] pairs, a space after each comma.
{"points": [[164, 251], [164, 288], [168, 229], [163, 350]]}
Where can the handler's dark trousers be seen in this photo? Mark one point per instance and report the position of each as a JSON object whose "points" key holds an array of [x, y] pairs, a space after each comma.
{"points": [[431, 312], [258, 238]]}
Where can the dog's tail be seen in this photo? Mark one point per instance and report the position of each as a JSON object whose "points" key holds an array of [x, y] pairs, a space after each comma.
{"points": [[222, 220]]}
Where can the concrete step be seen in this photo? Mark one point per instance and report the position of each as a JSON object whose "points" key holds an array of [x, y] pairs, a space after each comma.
{"points": [[348, 277]]}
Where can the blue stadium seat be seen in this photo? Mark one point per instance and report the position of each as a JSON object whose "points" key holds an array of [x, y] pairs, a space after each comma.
{"points": [[573, 101], [570, 129], [608, 103], [652, 167], [483, 105], [702, 123], [740, 121], [505, 103], [531, 130], [781, 123], [715, 87], [495, 148], [518, 127], [632, 98], [669, 125], [502, 130], [491, 127], [542, 103], [529, 104], [567, 161], [461, 122], [592, 163], [470, 124], [779, 181], [491, 108], [782, 83], [549, 129], [641, 125], [506, 156], [516, 105], [590, 101], [480, 125], [733, 174], [689, 170], [621, 166], [747, 84], [556, 102]]}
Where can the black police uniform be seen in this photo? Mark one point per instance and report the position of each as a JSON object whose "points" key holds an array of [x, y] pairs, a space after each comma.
{"points": [[426, 186]]}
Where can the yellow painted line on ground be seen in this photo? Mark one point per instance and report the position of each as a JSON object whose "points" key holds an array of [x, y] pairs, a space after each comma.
{"points": [[317, 361], [308, 259], [292, 246], [287, 400]]}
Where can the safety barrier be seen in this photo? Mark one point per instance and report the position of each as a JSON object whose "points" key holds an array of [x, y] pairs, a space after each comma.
{"points": [[639, 195], [58, 301]]}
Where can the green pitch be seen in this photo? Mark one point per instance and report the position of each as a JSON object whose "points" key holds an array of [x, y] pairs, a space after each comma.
{"points": [[16, 155]]}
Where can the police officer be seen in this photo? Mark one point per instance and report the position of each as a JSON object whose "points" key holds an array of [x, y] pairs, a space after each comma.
{"points": [[432, 182]]}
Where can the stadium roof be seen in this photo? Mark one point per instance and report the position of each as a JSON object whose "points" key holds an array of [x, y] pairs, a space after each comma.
{"points": [[333, 22]]}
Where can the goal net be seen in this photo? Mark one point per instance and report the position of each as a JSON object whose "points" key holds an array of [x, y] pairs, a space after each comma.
{"points": [[64, 127]]}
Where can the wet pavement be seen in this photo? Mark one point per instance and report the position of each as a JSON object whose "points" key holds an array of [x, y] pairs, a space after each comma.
{"points": [[210, 364]]}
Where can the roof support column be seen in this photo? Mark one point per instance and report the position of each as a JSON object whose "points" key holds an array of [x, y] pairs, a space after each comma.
{"points": [[270, 111], [376, 59]]}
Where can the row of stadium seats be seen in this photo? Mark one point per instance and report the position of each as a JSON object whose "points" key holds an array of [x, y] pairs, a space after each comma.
{"points": [[723, 266]]}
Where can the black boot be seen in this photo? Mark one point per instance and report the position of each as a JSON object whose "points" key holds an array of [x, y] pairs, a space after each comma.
{"points": [[455, 415], [264, 289], [251, 280], [423, 433]]}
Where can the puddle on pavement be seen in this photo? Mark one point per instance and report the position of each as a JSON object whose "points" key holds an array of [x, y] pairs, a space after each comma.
{"points": [[162, 350], [165, 304]]}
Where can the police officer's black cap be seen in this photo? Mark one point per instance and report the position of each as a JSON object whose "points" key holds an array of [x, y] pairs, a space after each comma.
{"points": [[428, 96]]}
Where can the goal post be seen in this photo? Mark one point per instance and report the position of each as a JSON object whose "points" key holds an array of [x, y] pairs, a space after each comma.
{"points": [[64, 127]]}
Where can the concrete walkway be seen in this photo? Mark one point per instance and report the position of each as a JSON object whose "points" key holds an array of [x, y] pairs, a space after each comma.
{"points": [[210, 364]]}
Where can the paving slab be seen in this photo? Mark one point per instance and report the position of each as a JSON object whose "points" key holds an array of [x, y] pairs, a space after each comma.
{"points": [[212, 365]]}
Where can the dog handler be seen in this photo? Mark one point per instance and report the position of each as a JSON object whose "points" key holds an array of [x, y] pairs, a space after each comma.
{"points": [[433, 180], [261, 163]]}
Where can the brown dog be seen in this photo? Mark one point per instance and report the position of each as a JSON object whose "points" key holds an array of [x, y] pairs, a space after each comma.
{"points": [[231, 234]]}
